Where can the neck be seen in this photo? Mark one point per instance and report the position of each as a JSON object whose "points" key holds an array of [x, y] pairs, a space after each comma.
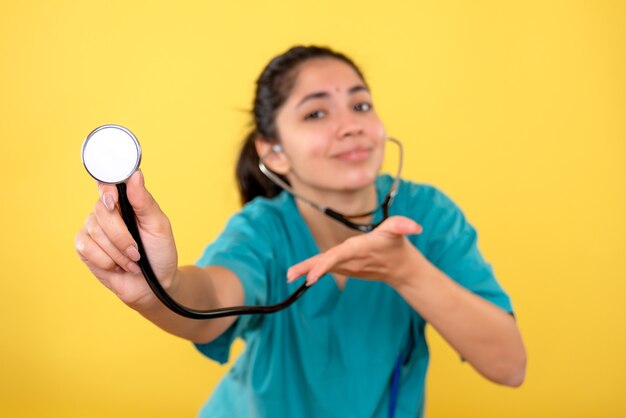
{"points": [[328, 232]]}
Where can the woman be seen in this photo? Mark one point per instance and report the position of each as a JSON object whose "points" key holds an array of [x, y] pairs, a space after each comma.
{"points": [[354, 345]]}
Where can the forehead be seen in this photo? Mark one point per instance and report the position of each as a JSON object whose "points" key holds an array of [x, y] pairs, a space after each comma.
{"points": [[324, 74]]}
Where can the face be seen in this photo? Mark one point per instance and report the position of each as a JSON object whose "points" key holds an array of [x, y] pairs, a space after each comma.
{"points": [[331, 136]]}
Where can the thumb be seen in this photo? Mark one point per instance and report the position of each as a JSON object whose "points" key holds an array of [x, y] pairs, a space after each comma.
{"points": [[144, 205], [399, 225]]}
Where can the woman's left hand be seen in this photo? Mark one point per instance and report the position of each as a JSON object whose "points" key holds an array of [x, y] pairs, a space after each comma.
{"points": [[383, 254]]}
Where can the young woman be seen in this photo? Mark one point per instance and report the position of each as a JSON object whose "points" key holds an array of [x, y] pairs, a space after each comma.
{"points": [[354, 345]]}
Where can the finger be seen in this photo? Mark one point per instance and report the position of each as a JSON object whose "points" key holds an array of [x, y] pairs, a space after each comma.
{"points": [[92, 254], [399, 225], [149, 214], [115, 279], [125, 261], [111, 225], [108, 195], [300, 269], [331, 260], [325, 263]]}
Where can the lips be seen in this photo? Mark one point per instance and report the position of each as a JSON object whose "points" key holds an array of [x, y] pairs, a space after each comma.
{"points": [[354, 154]]}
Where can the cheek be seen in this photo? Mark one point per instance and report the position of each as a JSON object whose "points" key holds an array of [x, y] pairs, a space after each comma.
{"points": [[310, 145], [304, 154], [376, 129], [378, 136]]}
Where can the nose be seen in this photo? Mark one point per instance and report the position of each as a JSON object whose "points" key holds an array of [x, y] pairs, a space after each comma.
{"points": [[349, 124]]}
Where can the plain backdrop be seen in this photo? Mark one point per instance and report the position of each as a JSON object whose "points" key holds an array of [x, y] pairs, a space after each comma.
{"points": [[514, 109]]}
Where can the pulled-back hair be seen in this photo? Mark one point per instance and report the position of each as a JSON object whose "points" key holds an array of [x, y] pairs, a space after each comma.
{"points": [[272, 90]]}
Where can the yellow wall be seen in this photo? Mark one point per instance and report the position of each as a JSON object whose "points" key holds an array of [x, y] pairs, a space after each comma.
{"points": [[517, 110]]}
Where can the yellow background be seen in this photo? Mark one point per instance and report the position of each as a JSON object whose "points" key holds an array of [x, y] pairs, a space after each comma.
{"points": [[515, 109]]}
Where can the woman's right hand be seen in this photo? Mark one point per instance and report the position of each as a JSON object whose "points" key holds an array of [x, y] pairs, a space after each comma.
{"points": [[106, 246]]}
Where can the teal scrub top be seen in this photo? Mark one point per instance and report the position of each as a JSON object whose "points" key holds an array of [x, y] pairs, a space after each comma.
{"points": [[332, 353]]}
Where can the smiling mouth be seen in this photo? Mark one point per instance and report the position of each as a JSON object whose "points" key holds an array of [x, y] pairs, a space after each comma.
{"points": [[357, 154]]}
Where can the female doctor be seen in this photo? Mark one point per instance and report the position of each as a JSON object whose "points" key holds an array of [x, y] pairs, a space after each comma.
{"points": [[354, 346]]}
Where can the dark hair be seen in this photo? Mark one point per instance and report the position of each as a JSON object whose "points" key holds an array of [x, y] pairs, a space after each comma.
{"points": [[272, 89]]}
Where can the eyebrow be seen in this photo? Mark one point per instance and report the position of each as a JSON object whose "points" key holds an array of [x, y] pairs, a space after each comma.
{"points": [[325, 94]]}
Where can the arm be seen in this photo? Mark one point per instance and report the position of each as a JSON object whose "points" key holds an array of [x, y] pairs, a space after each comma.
{"points": [[205, 288], [485, 335], [482, 333], [109, 251]]}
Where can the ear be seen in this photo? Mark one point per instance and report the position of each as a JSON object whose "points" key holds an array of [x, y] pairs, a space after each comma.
{"points": [[275, 160]]}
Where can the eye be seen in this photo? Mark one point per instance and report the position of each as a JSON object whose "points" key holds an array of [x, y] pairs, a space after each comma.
{"points": [[363, 107], [318, 114]]}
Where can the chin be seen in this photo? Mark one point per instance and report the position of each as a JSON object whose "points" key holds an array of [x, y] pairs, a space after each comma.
{"points": [[356, 181]]}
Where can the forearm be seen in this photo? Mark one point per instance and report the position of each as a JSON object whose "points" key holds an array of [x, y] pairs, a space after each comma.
{"points": [[195, 288], [482, 333]]}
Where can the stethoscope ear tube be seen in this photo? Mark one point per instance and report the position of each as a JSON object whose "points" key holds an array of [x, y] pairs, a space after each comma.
{"points": [[339, 217], [128, 214]]}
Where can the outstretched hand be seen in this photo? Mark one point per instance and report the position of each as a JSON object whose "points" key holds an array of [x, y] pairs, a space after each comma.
{"points": [[106, 246], [383, 254]]}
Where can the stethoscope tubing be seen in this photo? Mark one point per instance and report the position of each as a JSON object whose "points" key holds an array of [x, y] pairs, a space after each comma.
{"points": [[128, 214]]}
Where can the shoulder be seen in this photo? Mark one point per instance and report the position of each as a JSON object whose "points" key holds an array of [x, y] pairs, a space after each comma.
{"points": [[440, 217], [263, 212], [418, 200], [263, 206], [250, 234]]}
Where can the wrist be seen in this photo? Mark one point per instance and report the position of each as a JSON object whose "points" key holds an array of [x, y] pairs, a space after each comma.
{"points": [[149, 301], [411, 270], [173, 285]]}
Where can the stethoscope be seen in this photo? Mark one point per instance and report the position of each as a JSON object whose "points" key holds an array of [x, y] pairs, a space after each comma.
{"points": [[344, 219], [111, 154]]}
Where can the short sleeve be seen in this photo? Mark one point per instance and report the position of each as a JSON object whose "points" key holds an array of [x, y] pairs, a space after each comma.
{"points": [[453, 248], [241, 249]]}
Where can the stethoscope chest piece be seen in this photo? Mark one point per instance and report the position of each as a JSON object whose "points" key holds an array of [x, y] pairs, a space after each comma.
{"points": [[111, 154]]}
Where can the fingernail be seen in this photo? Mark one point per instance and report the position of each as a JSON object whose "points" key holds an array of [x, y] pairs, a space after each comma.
{"points": [[133, 253], [133, 267], [108, 201]]}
